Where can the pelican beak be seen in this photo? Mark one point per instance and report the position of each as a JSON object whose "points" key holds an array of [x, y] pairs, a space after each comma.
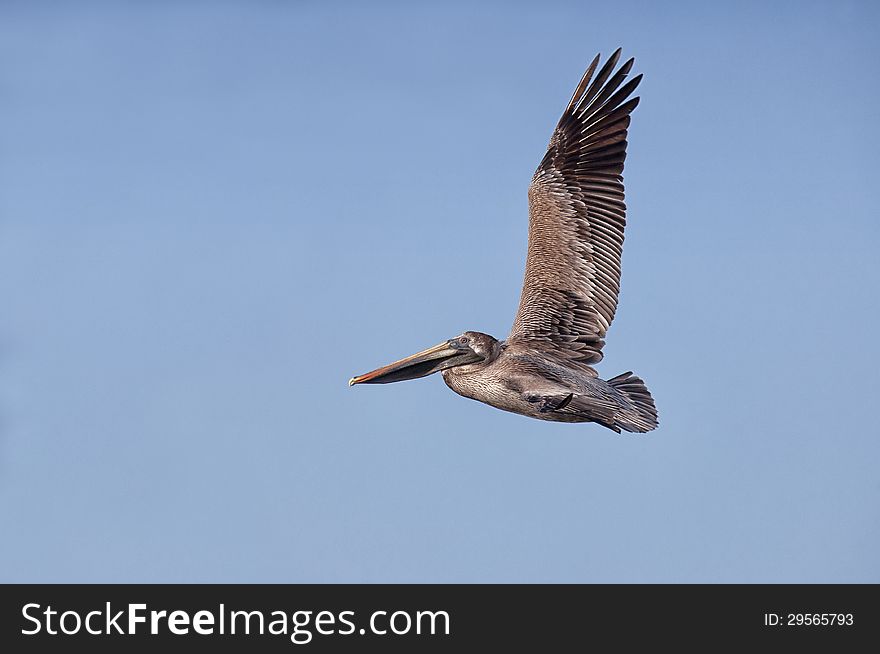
{"points": [[421, 364]]}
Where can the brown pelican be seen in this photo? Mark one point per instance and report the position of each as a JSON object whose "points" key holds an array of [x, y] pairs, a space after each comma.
{"points": [[576, 221]]}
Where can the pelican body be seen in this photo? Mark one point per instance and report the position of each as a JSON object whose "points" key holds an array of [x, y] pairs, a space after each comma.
{"points": [[544, 369]]}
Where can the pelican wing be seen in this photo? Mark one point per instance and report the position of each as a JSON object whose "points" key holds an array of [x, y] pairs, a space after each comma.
{"points": [[576, 221]]}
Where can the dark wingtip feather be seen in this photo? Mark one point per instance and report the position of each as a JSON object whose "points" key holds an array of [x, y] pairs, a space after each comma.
{"points": [[619, 96], [579, 91]]}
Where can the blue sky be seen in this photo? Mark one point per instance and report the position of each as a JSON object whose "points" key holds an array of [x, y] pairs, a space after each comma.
{"points": [[212, 215]]}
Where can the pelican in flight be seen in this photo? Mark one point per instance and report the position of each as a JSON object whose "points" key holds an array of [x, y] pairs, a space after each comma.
{"points": [[576, 219]]}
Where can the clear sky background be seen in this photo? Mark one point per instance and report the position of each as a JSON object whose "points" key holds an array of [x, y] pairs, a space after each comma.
{"points": [[212, 215]]}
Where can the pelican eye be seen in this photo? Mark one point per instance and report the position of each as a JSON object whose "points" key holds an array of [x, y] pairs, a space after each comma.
{"points": [[463, 340]]}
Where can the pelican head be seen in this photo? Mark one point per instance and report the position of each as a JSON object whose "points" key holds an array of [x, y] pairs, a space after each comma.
{"points": [[468, 348]]}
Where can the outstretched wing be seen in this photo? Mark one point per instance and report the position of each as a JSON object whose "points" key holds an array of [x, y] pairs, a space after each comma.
{"points": [[576, 221]]}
